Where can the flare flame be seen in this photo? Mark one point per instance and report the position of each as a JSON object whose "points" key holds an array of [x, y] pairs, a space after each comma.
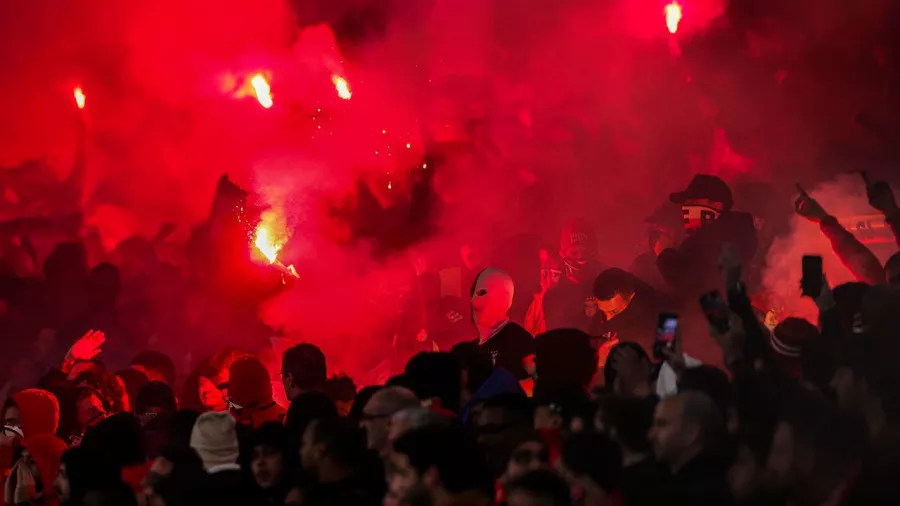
{"points": [[262, 90], [265, 244], [343, 89], [673, 17], [79, 97]]}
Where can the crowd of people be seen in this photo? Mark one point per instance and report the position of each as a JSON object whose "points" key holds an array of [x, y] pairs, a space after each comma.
{"points": [[565, 394]]}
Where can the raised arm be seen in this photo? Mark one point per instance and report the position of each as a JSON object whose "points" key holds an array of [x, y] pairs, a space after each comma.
{"points": [[861, 262]]}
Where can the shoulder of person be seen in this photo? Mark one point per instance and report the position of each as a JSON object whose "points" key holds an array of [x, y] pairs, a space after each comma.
{"points": [[516, 331]]}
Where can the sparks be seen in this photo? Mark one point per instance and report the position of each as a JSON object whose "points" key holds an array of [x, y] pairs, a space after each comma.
{"points": [[262, 89], [343, 89], [673, 16], [79, 97], [265, 244]]}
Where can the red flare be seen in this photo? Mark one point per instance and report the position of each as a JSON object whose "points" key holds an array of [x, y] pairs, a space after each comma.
{"points": [[79, 97], [262, 90], [673, 16]]}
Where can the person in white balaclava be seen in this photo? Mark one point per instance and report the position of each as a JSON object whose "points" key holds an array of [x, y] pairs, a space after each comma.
{"points": [[509, 344]]}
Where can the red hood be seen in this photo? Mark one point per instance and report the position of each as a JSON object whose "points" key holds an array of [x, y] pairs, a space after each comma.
{"points": [[39, 410]]}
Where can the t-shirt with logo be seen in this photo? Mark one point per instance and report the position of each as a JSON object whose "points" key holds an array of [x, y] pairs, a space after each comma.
{"points": [[508, 346]]}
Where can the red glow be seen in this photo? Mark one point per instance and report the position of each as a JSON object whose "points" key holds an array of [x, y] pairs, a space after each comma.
{"points": [[673, 16], [79, 97]]}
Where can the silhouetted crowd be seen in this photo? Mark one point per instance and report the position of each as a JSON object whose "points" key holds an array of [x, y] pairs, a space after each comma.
{"points": [[529, 377]]}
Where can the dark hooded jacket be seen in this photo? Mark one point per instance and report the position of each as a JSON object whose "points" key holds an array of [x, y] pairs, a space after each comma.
{"points": [[693, 268]]}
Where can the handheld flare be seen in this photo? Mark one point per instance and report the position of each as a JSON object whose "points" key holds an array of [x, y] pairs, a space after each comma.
{"points": [[342, 87], [79, 97], [262, 90], [673, 16]]}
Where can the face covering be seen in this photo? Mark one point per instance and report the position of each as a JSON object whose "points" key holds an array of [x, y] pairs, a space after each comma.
{"points": [[695, 217], [492, 296]]}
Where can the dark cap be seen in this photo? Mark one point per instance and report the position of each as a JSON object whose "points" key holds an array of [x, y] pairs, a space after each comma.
{"points": [[705, 186]]}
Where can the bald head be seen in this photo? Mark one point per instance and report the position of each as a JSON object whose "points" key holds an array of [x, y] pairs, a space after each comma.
{"points": [[390, 400], [699, 409], [378, 411], [683, 426]]}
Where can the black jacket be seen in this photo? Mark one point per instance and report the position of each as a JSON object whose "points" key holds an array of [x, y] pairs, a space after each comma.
{"points": [[637, 323], [703, 480], [693, 268]]}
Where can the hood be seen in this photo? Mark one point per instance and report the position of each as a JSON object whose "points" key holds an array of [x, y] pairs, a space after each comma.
{"points": [[39, 410]]}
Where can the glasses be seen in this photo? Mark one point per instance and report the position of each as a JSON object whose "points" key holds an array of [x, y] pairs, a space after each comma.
{"points": [[10, 430]]}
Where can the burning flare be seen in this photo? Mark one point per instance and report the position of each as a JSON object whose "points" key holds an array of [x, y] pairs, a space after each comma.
{"points": [[79, 97], [343, 89], [673, 16], [262, 90], [265, 244], [269, 246]]}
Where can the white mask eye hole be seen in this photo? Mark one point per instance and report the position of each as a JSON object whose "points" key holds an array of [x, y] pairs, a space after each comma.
{"points": [[480, 293]]}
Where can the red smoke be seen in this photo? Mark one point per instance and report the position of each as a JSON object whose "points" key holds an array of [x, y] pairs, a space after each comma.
{"points": [[557, 110]]}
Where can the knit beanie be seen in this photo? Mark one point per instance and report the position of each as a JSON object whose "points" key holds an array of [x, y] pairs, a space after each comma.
{"points": [[787, 342], [39, 410], [214, 438], [156, 394], [578, 232]]}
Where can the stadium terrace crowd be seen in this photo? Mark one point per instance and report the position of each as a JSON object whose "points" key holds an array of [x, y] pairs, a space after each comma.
{"points": [[597, 386]]}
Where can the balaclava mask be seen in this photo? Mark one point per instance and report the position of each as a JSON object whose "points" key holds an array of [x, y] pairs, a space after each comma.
{"points": [[578, 247], [492, 296], [697, 216]]}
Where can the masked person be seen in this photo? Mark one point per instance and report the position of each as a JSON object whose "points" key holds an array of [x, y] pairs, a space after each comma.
{"points": [[692, 268], [29, 442], [250, 393], [569, 304], [509, 344]]}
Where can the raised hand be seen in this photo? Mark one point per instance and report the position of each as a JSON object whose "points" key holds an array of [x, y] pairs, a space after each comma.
{"points": [[730, 265], [880, 196], [809, 207], [87, 347], [732, 341]]}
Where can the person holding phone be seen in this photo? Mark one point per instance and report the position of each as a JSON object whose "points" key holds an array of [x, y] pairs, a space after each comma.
{"points": [[627, 306], [859, 259]]}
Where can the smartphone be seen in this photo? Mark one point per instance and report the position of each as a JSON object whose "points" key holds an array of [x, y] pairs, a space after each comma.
{"points": [[716, 311], [811, 282], [666, 329]]}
